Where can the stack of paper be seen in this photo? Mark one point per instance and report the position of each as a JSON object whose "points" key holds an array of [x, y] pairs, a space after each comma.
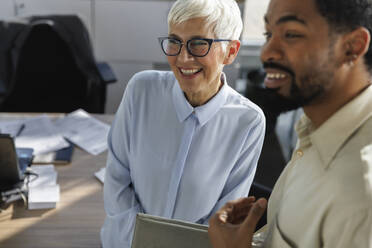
{"points": [[40, 134], [43, 191], [100, 175], [84, 131], [11, 127]]}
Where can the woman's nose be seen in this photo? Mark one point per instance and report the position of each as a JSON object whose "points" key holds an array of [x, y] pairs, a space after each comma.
{"points": [[184, 55]]}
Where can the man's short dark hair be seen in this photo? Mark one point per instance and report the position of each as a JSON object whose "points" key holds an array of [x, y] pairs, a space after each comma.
{"points": [[347, 15]]}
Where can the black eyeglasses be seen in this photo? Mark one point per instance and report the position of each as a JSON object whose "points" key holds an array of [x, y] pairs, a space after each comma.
{"points": [[198, 47]]}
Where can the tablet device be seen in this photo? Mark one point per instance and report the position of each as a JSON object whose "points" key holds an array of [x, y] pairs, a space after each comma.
{"points": [[12, 165], [153, 231]]}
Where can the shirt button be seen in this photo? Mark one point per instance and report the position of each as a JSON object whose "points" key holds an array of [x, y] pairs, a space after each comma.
{"points": [[299, 153]]}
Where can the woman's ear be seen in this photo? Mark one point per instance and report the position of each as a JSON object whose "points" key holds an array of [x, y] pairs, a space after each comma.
{"points": [[356, 44], [231, 51]]}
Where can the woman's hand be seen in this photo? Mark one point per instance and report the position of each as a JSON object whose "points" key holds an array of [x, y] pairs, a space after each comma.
{"points": [[234, 224]]}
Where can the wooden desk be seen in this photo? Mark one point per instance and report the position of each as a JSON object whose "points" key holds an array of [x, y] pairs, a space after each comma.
{"points": [[79, 215]]}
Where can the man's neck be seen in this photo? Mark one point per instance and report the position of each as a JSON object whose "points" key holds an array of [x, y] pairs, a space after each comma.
{"points": [[343, 92]]}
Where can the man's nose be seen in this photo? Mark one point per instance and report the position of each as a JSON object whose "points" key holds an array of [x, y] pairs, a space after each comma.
{"points": [[272, 50]]}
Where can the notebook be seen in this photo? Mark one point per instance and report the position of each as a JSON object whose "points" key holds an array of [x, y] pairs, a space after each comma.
{"points": [[13, 163], [153, 231], [62, 156]]}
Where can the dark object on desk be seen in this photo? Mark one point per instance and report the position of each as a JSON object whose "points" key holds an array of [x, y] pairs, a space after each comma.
{"points": [[20, 130], [62, 156], [25, 157], [13, 163], [47, 65]]}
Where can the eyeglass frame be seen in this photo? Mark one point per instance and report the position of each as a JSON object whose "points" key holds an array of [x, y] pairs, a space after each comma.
{"points": [[210, 41]]}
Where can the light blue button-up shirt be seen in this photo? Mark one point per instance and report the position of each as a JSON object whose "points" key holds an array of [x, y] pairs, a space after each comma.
{"points": [[170, 159]]}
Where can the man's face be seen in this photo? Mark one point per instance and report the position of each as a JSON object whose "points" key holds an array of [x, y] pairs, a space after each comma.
{"points": [[300, 55]]}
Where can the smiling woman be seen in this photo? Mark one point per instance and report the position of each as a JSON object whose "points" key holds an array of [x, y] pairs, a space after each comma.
{"points": [[183, 142], [199, 76]]}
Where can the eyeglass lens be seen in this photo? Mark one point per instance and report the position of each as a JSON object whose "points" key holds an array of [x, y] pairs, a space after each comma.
{"points": [[197, 47]]}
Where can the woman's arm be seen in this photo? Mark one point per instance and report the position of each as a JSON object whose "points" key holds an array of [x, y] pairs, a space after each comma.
{"points": [[241, 177], [120, 200]]}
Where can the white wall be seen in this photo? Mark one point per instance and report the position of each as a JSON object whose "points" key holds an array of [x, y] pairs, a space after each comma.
{"points": [[126, 35], [6, 8], [44, 7]]}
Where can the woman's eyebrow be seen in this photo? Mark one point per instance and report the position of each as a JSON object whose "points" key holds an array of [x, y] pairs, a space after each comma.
{"points": [[174, 36], [192, 37]]}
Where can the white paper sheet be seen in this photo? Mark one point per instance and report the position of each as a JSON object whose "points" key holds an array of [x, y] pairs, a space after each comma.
{"points": [[43, 192], [47, 175], [43, 169], [101, 174], [10, 127], [45, 196], [41, 135], [85, 131]]}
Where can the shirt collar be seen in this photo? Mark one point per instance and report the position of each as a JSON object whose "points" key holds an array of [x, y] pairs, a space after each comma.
{"points": [[204, 112], [332, 134]]}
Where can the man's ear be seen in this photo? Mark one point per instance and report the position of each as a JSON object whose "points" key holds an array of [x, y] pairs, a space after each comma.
{"points": [[356, 44], [231, 52]]}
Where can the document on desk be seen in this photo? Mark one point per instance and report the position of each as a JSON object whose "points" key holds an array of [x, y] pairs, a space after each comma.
{"points": [[47, 175], [100, 175], [40, 134], [44, 192], [11, 127], [84, 130], [44, 196]]}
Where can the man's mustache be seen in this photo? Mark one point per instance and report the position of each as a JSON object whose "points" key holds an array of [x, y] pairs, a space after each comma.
{"points": [[274, 65]]}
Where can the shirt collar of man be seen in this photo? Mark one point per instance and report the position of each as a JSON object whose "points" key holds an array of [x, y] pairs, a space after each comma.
{"points": [[332, 134], [203, 113]]}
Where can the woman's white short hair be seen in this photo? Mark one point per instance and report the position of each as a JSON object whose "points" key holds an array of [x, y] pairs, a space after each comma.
{"points": [[223, 16]]}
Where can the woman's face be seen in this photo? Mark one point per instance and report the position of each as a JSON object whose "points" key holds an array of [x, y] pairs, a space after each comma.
{"points": [[199, 77]]}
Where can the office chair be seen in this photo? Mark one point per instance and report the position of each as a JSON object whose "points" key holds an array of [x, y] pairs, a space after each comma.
{"points": [[51, 67]]}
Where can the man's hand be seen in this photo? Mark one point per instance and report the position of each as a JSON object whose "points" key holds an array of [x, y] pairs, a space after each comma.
{"points": [[234, 224]]}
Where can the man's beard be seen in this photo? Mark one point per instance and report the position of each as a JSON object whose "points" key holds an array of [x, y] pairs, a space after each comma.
{"points": [[271, 101], [312, 88]]}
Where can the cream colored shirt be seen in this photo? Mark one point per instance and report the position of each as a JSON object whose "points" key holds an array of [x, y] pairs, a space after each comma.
{"points": [[323, 197]]}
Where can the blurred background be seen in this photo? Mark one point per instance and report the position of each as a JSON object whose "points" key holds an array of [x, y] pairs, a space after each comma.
{"points": [[123, 34]]}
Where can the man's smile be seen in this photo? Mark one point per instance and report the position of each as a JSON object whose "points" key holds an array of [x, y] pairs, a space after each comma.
{"points": [[276, 78]]}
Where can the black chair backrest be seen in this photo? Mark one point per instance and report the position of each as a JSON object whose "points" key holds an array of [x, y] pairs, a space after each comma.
{"points": [[47, 65], [47, 78]]}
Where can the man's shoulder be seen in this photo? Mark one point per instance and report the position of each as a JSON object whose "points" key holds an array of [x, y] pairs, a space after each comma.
{"points": [[352, 168], [350, 211]]}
